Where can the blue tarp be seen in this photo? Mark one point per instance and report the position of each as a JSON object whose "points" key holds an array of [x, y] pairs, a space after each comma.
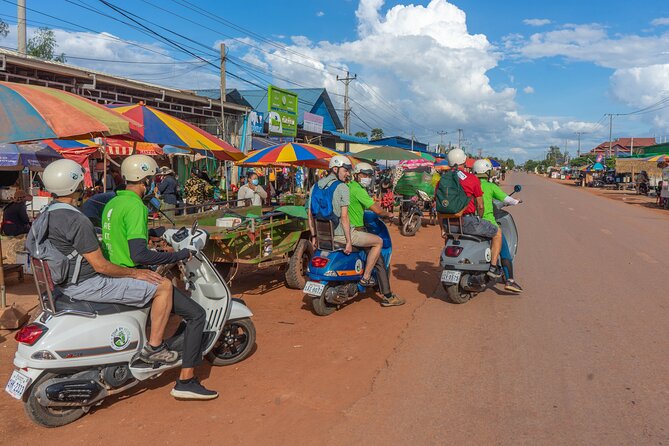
{"points": [[34, 156]]}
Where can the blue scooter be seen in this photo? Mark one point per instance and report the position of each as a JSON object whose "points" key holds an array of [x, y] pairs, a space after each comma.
{"points": [[333, 276]]}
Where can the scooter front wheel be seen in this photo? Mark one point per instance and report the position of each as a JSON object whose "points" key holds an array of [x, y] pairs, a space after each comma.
{"points": [[456, 294], [321, 307], [49, 416], [235, 344], [411, 225]]}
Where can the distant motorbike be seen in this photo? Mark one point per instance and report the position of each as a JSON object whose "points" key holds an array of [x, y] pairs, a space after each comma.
{"points": [[412, 213], [333, 277], [466, 258]]}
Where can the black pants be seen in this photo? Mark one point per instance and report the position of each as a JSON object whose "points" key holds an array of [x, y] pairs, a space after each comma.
{"points": [[382, 277], [195, 317]]}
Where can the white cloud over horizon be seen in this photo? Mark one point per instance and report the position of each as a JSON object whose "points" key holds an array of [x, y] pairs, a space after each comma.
{"points": [[660, 21]]}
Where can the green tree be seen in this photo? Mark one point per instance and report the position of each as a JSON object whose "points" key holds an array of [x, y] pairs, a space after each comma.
{"points": [[361, 134], [43, 45], [4, 29], [510, 163], [580, 161], [376, 134]]}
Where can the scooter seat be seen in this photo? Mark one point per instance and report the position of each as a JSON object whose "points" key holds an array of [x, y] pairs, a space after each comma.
{"points": [[65, 303], [342, 246], [475, 238]]}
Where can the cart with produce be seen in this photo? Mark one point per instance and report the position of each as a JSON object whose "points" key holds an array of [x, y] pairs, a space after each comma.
{"points": [[416, 188], [276, 238]]}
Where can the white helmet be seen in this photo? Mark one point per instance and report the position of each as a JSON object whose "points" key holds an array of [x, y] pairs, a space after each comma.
{"points": [[63, 177], [365, 168], [137, 167], [340, 161], [456, 156], [482, 167]]}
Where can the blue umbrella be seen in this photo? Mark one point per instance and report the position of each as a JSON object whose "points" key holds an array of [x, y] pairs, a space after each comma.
{"points": [[35, 156], [494, 162]]}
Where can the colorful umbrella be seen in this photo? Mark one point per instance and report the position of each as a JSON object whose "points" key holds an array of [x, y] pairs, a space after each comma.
{"points": [[161, 128], [123, 147], [289, 153], [33, 156], [31, 113], [658, 159], [387, 153], [494, 162], [425, 156], [63, 145]]}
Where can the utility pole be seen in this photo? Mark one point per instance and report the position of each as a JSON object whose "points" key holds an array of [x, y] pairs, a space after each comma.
{"points": [[610, 132], [441, 134], [21, 25], [459, 138], [347, 108], [578, 151], [412, 140]]}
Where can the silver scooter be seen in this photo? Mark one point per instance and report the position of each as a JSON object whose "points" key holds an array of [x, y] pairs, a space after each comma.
{"points": [[466, 258], [77, 353]]}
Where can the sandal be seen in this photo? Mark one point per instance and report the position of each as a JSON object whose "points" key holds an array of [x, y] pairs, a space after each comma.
{"points": [[367, 282]]}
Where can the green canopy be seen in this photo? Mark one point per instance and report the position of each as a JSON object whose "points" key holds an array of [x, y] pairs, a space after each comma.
{"points": [[387, 153]]}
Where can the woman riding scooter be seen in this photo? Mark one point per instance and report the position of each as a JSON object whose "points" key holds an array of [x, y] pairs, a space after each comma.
{"points": [[482, 169]]}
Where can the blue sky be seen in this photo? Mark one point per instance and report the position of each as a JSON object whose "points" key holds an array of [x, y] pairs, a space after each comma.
{"points": [[515, 86]]}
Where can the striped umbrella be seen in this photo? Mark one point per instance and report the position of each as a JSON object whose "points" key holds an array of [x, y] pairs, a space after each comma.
{"points": [[425, 156], [161, 128], [33, 156], [31, 113], [289, 153]]}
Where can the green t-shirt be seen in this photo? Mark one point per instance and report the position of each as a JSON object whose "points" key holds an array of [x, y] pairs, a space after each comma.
{"points": [[360, 200], [124, 218], [491, 191]]}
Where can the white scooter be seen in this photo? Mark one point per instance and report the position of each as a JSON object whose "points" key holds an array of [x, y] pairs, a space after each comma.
{"points": [[77, 353]]}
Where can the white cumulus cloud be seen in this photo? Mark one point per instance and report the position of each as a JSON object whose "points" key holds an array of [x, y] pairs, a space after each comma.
{"points": [[320, 14], [660, 21], [529, 89], [536, 22]]}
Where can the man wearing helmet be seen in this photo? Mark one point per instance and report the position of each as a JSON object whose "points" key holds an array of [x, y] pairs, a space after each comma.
{"points": [[472, 222], [491, 191], [331, 195], [125, 241], [100, 280], [359, 202]]}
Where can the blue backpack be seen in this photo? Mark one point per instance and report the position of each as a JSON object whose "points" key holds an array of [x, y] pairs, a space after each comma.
{"points": [[321, 202]]}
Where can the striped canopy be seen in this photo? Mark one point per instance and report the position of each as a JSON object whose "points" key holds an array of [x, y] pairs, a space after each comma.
{"points": [[289, 153], [658, 159], [160, 128], [425, 156], [31, 113]]}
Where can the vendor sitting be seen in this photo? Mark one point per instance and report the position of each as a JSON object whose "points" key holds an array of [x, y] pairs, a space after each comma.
{"points": [[15, 219], [251, 191]]}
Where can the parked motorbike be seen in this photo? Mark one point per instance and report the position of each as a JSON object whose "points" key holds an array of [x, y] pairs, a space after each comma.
{"points": [[77, 353], [333, 277], [412, 213], [465, 258]]}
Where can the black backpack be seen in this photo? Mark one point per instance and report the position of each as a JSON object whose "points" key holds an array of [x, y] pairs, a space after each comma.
{"points": [[450, 197]]}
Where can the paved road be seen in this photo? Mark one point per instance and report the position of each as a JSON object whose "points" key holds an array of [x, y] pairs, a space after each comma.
{"points": [[580, 358]]}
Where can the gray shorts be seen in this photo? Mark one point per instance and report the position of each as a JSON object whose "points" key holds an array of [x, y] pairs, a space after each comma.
{"points": [[471, 224], [112, 290]]}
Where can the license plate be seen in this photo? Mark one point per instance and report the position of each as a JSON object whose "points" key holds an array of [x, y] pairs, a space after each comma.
{"points": [[17, 385], [314, 288], [448, 276]]}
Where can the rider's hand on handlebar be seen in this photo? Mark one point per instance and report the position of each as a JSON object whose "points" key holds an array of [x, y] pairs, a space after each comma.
{"points": [[147, 275]]}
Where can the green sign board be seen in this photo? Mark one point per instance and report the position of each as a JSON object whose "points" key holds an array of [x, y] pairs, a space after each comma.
{"points": [[282, 108]]}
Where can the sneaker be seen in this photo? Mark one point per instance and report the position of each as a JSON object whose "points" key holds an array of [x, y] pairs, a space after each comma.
{"points": [[192, 390], [392, 301], [495, 272], [512, 285], [159, 354]]}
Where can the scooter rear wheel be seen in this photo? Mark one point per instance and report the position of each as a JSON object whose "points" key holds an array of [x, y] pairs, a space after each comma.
{"points": [[49, 416], [456, 294], [321, 307]]}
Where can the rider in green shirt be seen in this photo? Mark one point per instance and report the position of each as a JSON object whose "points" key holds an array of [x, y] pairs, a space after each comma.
{"points": [[483, 168], [125, 239], [360, 201]]}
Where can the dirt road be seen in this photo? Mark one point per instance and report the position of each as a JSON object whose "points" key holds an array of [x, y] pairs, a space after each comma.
{"points": [[580, 358]]}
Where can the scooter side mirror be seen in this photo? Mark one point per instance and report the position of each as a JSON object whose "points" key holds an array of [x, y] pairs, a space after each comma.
{"points": [[517, 188]]}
